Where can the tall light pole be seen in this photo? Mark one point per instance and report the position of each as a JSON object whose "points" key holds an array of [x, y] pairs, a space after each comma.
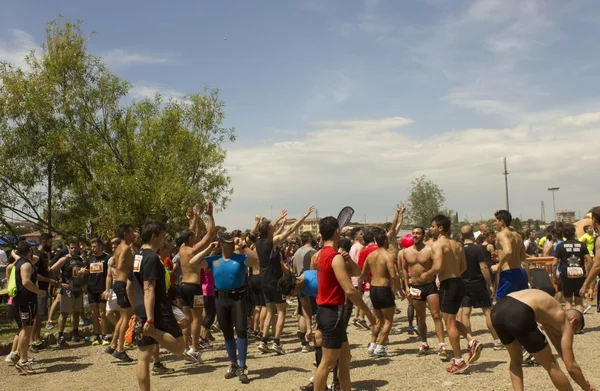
{"points": [[553, 190], [505, 173]]}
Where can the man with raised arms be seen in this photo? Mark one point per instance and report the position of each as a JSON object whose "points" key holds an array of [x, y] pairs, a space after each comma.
{"points": [[414, 261]]}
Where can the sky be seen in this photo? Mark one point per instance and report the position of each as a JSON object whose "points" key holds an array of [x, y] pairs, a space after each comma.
{"points": [[345, 102]]}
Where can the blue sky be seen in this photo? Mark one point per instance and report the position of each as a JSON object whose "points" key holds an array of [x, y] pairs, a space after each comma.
{"points": [[344, 102]]}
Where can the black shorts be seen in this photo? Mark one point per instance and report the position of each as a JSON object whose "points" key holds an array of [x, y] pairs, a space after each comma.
{"points": [[191, 294], [572, 286], [331, 321], [167, 323], [120, 289], [477, 295], [382, 297], [258, 297], [452, 292], [515, 320], [24, 314], [95, 298], [272, 295], [422, 291]]}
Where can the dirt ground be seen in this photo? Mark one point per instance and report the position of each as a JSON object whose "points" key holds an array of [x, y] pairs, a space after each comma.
{"points": [[84, 367]]}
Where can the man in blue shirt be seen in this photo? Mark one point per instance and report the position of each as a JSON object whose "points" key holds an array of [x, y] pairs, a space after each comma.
{"points": [[229, 271]]}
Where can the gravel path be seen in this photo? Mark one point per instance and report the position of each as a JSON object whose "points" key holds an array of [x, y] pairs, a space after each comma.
{"points": [[83, 367]]}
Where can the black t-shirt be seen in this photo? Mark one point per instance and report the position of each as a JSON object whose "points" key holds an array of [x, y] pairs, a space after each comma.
{"points": [[58, 255], [571, 255], [475, 255], [98, 267], [24, 295], [346, 245], [270, 262], [69, 274], [42, 269], [147, 266]]}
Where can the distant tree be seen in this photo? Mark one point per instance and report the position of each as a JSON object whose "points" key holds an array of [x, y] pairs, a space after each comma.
{"points": [[426, 200], [517, 225]]}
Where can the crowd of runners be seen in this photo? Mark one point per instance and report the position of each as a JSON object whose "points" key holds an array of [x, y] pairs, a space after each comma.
{"points": [[152, 292]]}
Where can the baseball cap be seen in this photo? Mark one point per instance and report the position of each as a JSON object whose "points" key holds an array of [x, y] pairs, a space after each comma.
{"points": [[226, 238]]}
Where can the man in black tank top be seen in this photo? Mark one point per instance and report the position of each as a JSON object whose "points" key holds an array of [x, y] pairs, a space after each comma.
{"points": [[271, 271]]}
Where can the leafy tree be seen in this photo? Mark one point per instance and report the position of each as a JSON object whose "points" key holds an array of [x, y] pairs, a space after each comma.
{"points": [[425, 201], [68, 136], [517, 225]]}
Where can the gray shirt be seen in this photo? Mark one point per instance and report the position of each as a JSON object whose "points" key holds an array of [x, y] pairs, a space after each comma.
{"points": [[302, 258], [178, 274]]}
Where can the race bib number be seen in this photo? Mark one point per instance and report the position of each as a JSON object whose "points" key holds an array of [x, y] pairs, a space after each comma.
{"points": [[96, 267], [137, 263], [415, 293], [198, 301], [574, 272]]}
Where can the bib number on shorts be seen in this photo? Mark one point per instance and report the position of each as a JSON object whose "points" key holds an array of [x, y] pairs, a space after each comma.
{"points": [[198, 301], [574, 272], [415, 293], [137, 263], [96, 267]]}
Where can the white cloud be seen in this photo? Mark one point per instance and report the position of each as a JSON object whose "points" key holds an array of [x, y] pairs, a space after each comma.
{"points": [[330, 88], [369, 165], [145, 90], [16, 47], [120, 58]]}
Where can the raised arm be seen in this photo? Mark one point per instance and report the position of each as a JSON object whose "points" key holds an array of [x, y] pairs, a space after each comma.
{"points": [[396, 223], [58, 264], [255, 226], [210, 229], [281, 227], [200, 258], [278, 239]]}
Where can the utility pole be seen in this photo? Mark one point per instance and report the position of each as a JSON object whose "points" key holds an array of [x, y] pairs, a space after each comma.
{"points": [[543, 216], [505, 173], [554, 190], [50, 198]]}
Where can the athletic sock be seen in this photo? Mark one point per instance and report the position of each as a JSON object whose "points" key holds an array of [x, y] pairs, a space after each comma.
{"points": [[318, 355], [276, 340], [242, 349], [300, 336], [230, 345], [411, 315]]}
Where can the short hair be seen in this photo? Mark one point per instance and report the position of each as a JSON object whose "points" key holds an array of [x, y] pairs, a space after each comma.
{"points": [[263, 228], [419, 227], [380, 236], [286, 285], [23, 248], [504, 215], [123, 229], [306, 237], [479, 240], [73, 240], [152, 228], [327, 227], [97, 242], [577, 315], [585, 227], [355, 232], [528, 232], [115, 242], [368, 237], [442, 221], [185, 236], [596, 213], [44, 237], [569, 231]]}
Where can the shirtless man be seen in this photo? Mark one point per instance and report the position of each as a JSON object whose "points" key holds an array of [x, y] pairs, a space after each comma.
{"points": [[516, 319], [414, 261], [383, 274], [449, 264], [123, 259], [510, 254], [191, 288]]}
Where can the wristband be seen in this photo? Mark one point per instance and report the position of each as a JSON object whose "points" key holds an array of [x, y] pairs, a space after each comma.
{"points": [[150, 321]]}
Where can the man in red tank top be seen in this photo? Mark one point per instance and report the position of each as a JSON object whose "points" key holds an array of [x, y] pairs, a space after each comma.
{"points": [[333, 276]]}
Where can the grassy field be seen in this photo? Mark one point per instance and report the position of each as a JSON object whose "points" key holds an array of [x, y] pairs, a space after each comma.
{"points": [[8, 328]]}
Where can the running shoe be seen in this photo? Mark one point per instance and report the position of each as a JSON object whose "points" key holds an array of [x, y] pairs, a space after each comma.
{"points": [[122, 356], [475, 349], [242, 374], [97, 341], [62, 343], [25, 368], [307, 348], [309, 387], [498, 345], [457, 368], [194, 356], [75, 338], [12, 357], [205, 344], [380, 351], [442, 352], [363, 324], [49, 326], [263, 347], [276, 348], [35, 348], [335, 386], [423, 350], [231, 372], [371, 348], [411, 330], [160, 369], [109, 350], [106, 341]]}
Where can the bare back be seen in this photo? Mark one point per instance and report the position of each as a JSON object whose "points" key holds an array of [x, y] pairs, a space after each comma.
{"points": [[380, 262], [123, 261], [548, 311], [515, 241], [417, 262], [190, 273], [452, 256]]}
